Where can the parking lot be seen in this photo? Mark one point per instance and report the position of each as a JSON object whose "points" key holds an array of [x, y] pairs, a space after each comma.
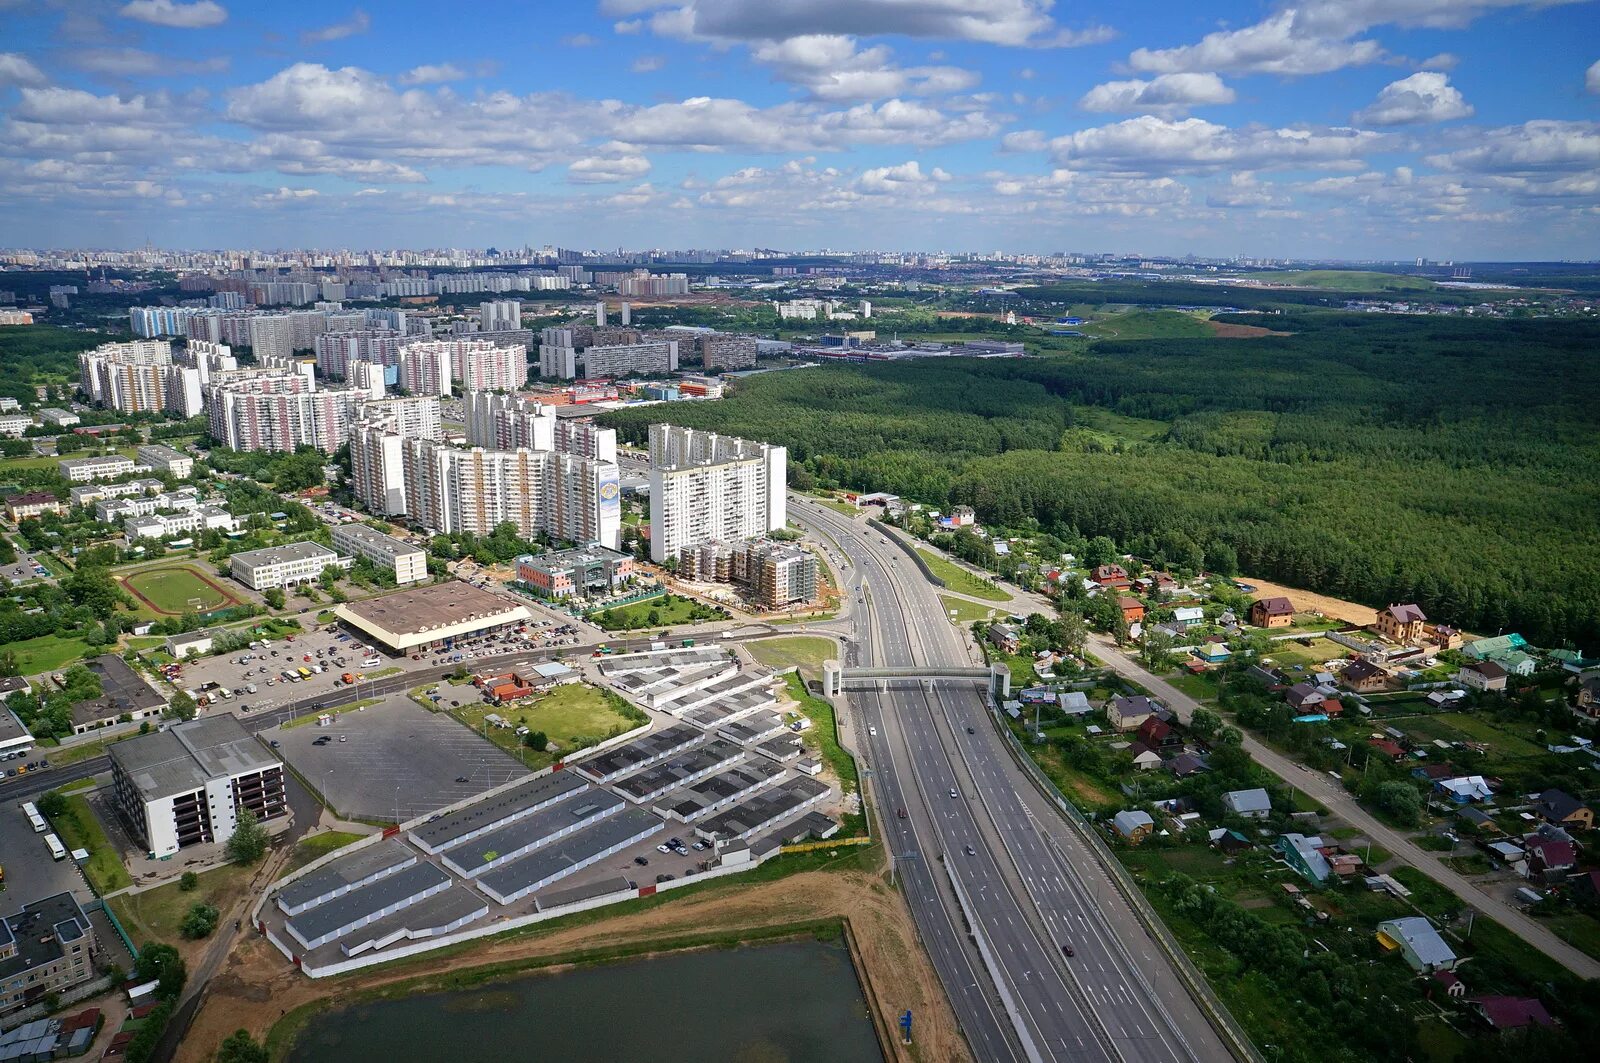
{"points": [[393, 758], [24, 569], [30, 872], [338, 653]]}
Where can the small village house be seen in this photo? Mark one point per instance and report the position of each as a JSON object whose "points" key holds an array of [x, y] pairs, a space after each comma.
{"points": [[1271, 612]]}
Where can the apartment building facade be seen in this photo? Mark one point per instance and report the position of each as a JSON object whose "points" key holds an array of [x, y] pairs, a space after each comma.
{"points": [[708, 486]]}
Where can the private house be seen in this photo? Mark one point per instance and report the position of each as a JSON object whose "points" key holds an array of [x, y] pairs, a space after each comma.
{"points": [[1254, 803], [1188, 616], [1212, 652], [1112, 577], [1156, 733], [1132, 610], [1230, 842], [1511, 1013], [1144, 758], [1186, 764], [1588, 700], [1305, 856], [1271, 612], [1401, 624], [1363, 677], [1550, 859], [1416, 939], [1443, 637], [1478, 820], [1133, 826], [1129, 713], [1075, 703], [1004, 636], [1305, 697], [1387, 747], [1464, 789], [1564, 810], [1482, 675]]}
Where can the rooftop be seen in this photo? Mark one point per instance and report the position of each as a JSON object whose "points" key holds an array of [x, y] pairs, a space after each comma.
{"points": [[431, 609], [490, 812], [40, 931], [277, 555], [186, 756], [373, 539]]}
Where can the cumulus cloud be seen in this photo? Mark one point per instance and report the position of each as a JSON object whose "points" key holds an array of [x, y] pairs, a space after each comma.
{"points": [[287, 195], [1530, 148], [648, 64], [1007, 22], [176, 15], [901, 179], [596, 169], [1275, 46], [432, 74], [833, 68], [1591, 80], [1422, 97], [358, 22], [17, 69], [1148, 144], [1165, 94], [1446, 61]]}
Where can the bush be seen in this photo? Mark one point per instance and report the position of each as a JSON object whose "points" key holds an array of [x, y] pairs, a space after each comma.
{"points": [[189, 882], [162, 963], [52, 804], [200, 921], [240, 1047]]}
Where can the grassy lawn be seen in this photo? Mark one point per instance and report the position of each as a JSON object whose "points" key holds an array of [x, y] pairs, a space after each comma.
{"points": [[1199, 687], [61, 756], [807, 651], [47, 653], [176, 589], [1148, 325], [337, 710], [572, 716], [667, 610], [960, 580], [1288, 654], [79, 829], [843, 507], [1083, 790], [155, 914], [823, 738], [319, 845], [965, 612]]}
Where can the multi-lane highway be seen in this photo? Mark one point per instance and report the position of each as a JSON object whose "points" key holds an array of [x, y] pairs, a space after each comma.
{"points": [[1000, 885]]}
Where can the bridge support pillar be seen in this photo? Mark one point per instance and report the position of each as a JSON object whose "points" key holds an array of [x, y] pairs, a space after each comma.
{"points": [[832, 679], [999, 682]]}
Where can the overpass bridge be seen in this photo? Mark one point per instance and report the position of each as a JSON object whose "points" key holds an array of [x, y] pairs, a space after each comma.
{"points": [[836, 678]]}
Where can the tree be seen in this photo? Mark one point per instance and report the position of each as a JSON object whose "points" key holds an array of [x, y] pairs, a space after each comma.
{"points": [[181, 707], [1155, 650], [161, 963], [1400, 800], [52, 804], [537, 741], [199, 921], [1204, 722], [1100, 551], [240, 1047], [273, 596], [189, 882], [249, 840]]}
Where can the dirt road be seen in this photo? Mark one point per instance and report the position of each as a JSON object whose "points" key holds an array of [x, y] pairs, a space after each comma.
{"points": [[257, 986]]}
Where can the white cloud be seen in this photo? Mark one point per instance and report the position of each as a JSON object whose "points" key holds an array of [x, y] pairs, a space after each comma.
{"points": [[432, 74], [372, 192], [54, 105], [1445, 61], [287, 195], [1244, 192], [1530, 148], [1275, 46], [905, 178], [648, 64], [134, 62], [1066, 192], [832, 68], [1422, 97], [579, 40], [1591, 80], [176, 15], [1166, 94], [597, 169], [358, 22], [1150, 145], [17, 69], [1005, 22]]}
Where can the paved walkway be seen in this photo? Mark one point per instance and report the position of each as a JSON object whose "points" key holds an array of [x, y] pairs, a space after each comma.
{"points": [[1336, 799]]}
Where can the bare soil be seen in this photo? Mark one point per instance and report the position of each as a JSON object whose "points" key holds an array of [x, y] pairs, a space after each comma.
{"points": [[256, 986], [1227, 331], [1310, 601]]}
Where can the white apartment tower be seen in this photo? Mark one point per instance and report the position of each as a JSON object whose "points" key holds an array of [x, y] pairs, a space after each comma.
{"points": [[709, 486]]}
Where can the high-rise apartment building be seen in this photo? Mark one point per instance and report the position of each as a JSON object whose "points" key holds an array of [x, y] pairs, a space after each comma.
{"points": [[336, 350], [709, 486], [271, 334], [451, 489], [602, 350], [278, 410], [139, 377], [434, 367], [500, 314]]}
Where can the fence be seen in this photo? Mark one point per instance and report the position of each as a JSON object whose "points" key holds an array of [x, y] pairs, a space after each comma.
{"points": [[116, 924], [910, 551], [1215, 1011]]}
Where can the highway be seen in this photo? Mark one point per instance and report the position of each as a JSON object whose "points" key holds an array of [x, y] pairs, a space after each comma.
{"points": [[1020, 873]]}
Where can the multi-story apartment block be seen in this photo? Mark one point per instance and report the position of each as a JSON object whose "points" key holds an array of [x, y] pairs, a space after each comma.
{"points": [[777, 574], [377, 468], [45, 949], [709, 486], [206, 358], [138, 377], [718, 351], [336, 350], [278, 410], [500, 314], [432, 367], [506, 422], [189, 784], [163, 458], [271, 334], [407, 563], [283, 566]]}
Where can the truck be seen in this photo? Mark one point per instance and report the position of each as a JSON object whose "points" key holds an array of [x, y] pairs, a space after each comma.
{"points": [[305, 673], [688, 643]]}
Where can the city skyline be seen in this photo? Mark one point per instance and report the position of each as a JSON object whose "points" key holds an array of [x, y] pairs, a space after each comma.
{"points": [[1319, 129]]}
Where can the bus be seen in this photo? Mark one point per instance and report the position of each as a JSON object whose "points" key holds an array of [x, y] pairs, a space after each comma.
{"points": [[31, 810], [305, 673], [57, 851]]}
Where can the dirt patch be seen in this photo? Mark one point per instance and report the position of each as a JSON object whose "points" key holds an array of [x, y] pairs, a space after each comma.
{"points": [[1310, 601], [257, 986], [1228, 331]]}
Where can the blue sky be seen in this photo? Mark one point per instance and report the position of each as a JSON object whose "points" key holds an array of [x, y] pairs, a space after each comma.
{"points": [[1310, 128]]}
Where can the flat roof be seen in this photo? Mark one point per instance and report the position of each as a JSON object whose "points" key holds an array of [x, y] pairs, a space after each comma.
{"points": [[438, 914], [11, 728], [452, 826], [756, 812], [304, 550], [630, 754], [188, 755], [357, 867], [426, 614], [374, 539], [105, 459], [692, 799], [675, 770], [566, 855], [561, 560], [529, 831], [339, 913]]}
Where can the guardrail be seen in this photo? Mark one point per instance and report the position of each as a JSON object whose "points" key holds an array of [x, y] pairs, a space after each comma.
{"points": [[894, 537], [1215, 1011]]}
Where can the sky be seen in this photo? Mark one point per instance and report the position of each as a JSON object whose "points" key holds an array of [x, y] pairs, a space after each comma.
{"points": [[1387, 129]]}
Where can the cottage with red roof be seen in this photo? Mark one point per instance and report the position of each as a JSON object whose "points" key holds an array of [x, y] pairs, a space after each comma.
{"points": [[1511, 1013], [1112, 576], [1550, 858]]}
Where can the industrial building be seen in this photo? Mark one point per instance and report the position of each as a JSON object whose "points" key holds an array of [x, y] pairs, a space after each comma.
{"points": [[188, 784], [284, 565], [432, 615], [407, 563]]}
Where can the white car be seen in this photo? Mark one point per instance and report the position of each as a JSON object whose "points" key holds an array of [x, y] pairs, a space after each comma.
{"points": [[873, 731]]}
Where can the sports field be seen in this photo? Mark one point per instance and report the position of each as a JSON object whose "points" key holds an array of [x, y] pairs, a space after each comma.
{"points": [[176, 589]]}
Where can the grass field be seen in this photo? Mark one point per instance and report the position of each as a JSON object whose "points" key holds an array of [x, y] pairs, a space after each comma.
{"points": [[156, 914], [568, 715], [960, 580], [669, 610], [79, 829], [823, 736], [177, 589], [1459, 727], [807, 651], [1148, 325], [965, 612], [47, 653], [1346, 280], [1288, 654], [318, 846]]}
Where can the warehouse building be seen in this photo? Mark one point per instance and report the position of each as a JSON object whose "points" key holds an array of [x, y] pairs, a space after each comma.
{"points": [[283, 566], [187, 785], [434, 615]]}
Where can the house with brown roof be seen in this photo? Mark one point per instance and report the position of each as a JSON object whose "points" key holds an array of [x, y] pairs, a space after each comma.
{"points": [[1482, 675], [1511, 1013], [1363, 676], [1564, 810], [1111, 576], [1129, 713], [1132, 610], [1271, 612], [1588, 701], [1402, 623], [1387, 747], [1156, 733]]}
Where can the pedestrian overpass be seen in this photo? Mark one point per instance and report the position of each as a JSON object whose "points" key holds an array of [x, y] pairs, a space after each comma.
{"points": [[836, 678]]}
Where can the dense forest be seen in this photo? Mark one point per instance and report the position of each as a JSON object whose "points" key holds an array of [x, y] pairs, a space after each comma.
{"points": [[1446, 461], [39, 354]]}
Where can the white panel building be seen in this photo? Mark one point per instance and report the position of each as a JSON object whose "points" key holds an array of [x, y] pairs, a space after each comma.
{"points": [[709, 486]]}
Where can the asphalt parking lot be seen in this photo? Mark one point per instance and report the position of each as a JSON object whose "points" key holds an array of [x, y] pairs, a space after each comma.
{"points": [[395, 757], [30, 872], [24, 569]]}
